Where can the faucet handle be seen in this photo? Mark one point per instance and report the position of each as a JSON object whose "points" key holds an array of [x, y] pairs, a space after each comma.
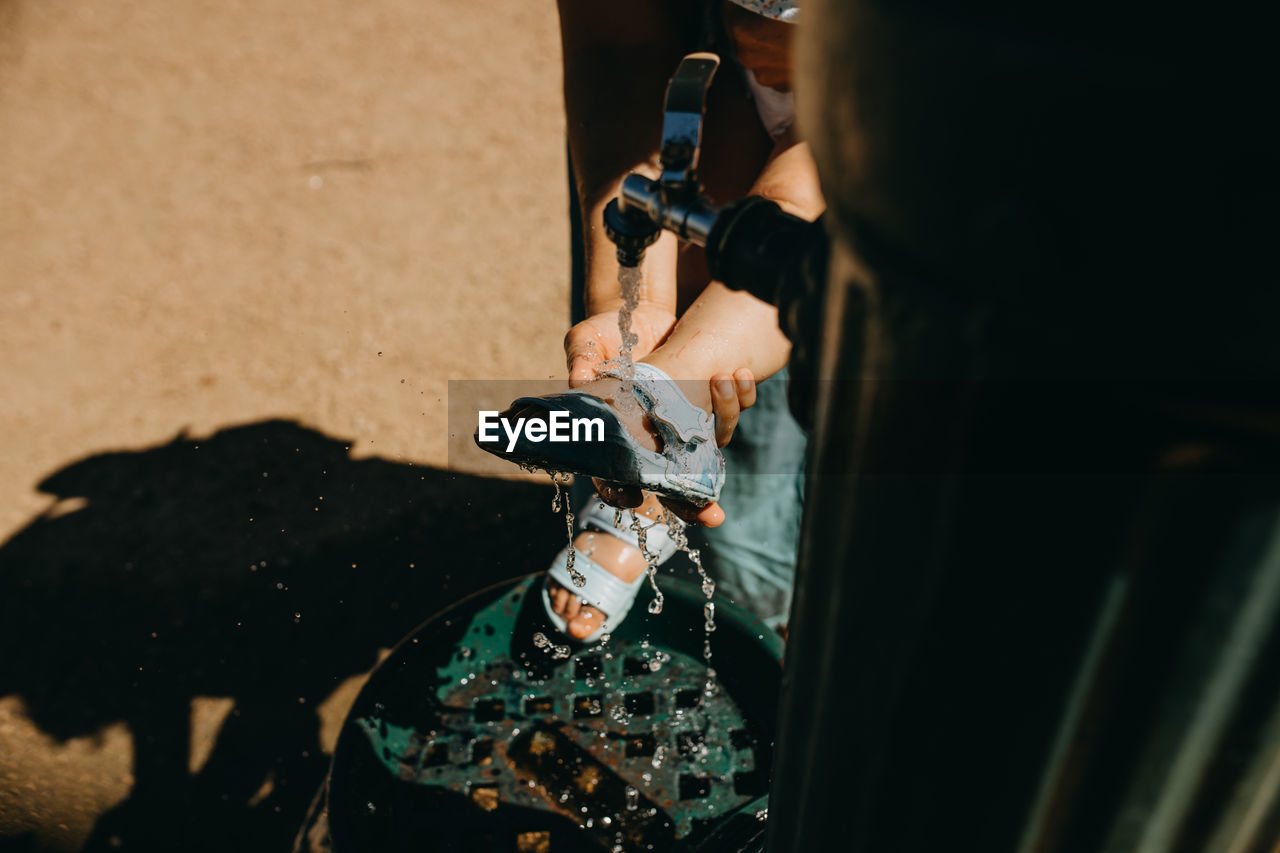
{"points": [[682, 124]]}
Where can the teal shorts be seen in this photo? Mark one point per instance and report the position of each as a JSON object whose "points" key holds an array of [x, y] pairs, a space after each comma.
{"points": [[752, 556]]}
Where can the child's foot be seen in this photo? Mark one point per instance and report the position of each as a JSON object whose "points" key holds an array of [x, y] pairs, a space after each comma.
{"points": [[620, 558]]}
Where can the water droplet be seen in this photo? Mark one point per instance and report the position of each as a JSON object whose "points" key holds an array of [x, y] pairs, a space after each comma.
{"points": [[557, 652]]}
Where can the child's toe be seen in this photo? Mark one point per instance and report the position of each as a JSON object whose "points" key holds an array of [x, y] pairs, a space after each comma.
{"points": [[587, 620], [559, 599]]}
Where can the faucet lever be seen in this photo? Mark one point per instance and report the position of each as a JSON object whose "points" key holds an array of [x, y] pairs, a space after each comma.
{"points": [[682, 125], [643, 207]]}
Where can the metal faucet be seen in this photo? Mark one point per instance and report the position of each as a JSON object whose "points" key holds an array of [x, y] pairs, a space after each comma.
{"points": [[644, 207], [751, 244]]}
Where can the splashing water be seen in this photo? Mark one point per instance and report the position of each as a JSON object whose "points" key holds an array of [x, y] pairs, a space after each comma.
{"points": [[650, 559], [623, 364], [557, 652], [680, 536], [629, 279], [558, 497], [562, 499]]}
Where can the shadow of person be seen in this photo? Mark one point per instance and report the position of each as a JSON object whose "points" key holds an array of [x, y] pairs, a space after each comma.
{"points": [[261, 564]]}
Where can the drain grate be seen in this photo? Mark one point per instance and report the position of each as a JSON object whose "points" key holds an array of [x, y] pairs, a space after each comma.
{"points": [[614, 745]]}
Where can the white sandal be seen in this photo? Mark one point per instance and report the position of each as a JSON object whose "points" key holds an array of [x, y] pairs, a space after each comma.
{"points": [[605, 592], [690, 466]]}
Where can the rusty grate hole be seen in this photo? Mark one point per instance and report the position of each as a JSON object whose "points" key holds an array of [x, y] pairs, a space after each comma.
{"points": [[750, 784], [482, 751], [485, 795], [690, 697], [537, 705], [436, 755], [588, 706], [588, 666], [741, 739], [533, 842], [694, 787], [490, 710], [689, 743], [641, 745], [640, 703], [635, 666]]}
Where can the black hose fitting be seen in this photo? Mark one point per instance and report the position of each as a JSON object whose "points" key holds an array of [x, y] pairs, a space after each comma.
{"points": [[757, 247], [781, 259], [631, 231]]}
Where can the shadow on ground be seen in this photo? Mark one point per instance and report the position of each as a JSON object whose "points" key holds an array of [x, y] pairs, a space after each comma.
{"points": [[261, 564]]}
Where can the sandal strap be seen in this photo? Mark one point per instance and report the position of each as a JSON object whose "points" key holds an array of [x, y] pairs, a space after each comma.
{"points": [[598, 517], [603, 591], [661, 398]]}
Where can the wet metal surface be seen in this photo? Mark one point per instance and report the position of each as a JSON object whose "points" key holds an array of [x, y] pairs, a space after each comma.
{"points": [[621, 741]]}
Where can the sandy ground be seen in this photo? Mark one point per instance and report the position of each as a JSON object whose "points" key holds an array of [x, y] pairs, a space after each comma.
{"points": [[243, 249]]}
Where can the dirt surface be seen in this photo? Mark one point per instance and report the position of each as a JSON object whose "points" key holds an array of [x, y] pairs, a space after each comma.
{"points": [[243, 248]]}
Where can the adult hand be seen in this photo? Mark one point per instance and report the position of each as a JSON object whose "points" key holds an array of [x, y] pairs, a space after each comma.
{"points": [[596, 339]]}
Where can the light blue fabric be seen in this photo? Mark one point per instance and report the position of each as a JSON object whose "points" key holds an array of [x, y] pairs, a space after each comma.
{"points": [[752, 556]]}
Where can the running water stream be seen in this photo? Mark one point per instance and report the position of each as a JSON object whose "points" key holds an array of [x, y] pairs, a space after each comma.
{"points": [[629, 279], [623, 367], [562, 498], [650, 557], [680, 535]]}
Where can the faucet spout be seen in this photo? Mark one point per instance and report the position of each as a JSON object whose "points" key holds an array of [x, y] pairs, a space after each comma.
{"points": [[631, 230], [634, 220]]}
